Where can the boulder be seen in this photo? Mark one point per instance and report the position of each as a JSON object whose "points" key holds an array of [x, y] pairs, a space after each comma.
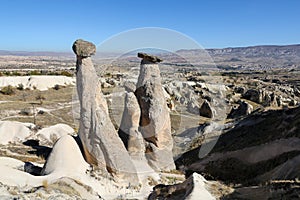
{"points": [[83, 48], [149, 58], [155, 124], [51, 134], [12, 132]]}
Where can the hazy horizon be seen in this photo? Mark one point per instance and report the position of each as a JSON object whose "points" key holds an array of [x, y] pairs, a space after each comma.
{"points": [[116, 52]]}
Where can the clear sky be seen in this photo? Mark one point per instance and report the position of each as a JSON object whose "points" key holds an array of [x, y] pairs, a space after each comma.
{"points": [[53, 25]]}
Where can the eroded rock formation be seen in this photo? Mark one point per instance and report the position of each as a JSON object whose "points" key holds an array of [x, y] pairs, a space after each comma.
{"points": [[129, 128], [243, 109], [155, 124], [101, 143], [206, 110], [65, 158]]}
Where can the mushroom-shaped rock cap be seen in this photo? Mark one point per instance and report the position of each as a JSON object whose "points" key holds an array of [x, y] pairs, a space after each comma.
{"points": [[150, 58], [83, 48]]}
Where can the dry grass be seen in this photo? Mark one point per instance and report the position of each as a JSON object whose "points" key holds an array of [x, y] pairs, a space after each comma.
{"points": [[51, 95], [45, 184], [20, 152], [218, 189], [57, 101], [65, 188], [151, 181]]}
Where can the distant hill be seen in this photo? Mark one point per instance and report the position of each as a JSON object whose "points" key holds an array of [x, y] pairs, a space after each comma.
{"points": [[262, 57], [258, 51], [268, 56], [34, 53]]}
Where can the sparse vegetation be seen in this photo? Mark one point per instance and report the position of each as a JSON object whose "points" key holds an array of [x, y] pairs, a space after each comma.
{"points": [[56, 87], [19, 106], [69, 73], [45, 184], [151, 181], [40, 98], [15, 73], [66, 73], [25, 111], [34, 72], [20, 86], [8, 90]]}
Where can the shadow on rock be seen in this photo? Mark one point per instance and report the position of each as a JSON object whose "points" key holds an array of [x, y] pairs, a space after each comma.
{"points": [[32, 169], [40, 151]]}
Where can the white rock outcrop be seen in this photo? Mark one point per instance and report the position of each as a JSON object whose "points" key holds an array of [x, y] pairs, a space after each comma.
{"points": [[65, 158], [11, 132], [40, 82], [51, 134]]}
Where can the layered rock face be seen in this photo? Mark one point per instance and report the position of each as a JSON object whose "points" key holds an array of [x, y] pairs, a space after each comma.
{"points": [[155, 124], [101, 143]]}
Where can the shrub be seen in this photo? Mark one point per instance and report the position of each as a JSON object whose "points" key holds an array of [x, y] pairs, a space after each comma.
{"points": [[26, 111], [45, 184], [16, 73], [8, 90], [56, 87], [40, 97], [20, 86], [35, 72], [66, 73], [41, 112], [6, 73]]}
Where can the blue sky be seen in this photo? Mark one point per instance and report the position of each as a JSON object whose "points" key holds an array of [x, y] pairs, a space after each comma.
{"points": [[53, 25]]}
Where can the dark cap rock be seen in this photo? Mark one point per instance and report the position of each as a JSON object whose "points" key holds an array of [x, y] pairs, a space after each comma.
{"points": [[83, 48], [149, 58]]}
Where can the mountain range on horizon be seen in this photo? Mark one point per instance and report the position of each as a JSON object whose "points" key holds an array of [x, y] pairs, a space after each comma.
{"points": [[293, 47], [266, 56]]}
